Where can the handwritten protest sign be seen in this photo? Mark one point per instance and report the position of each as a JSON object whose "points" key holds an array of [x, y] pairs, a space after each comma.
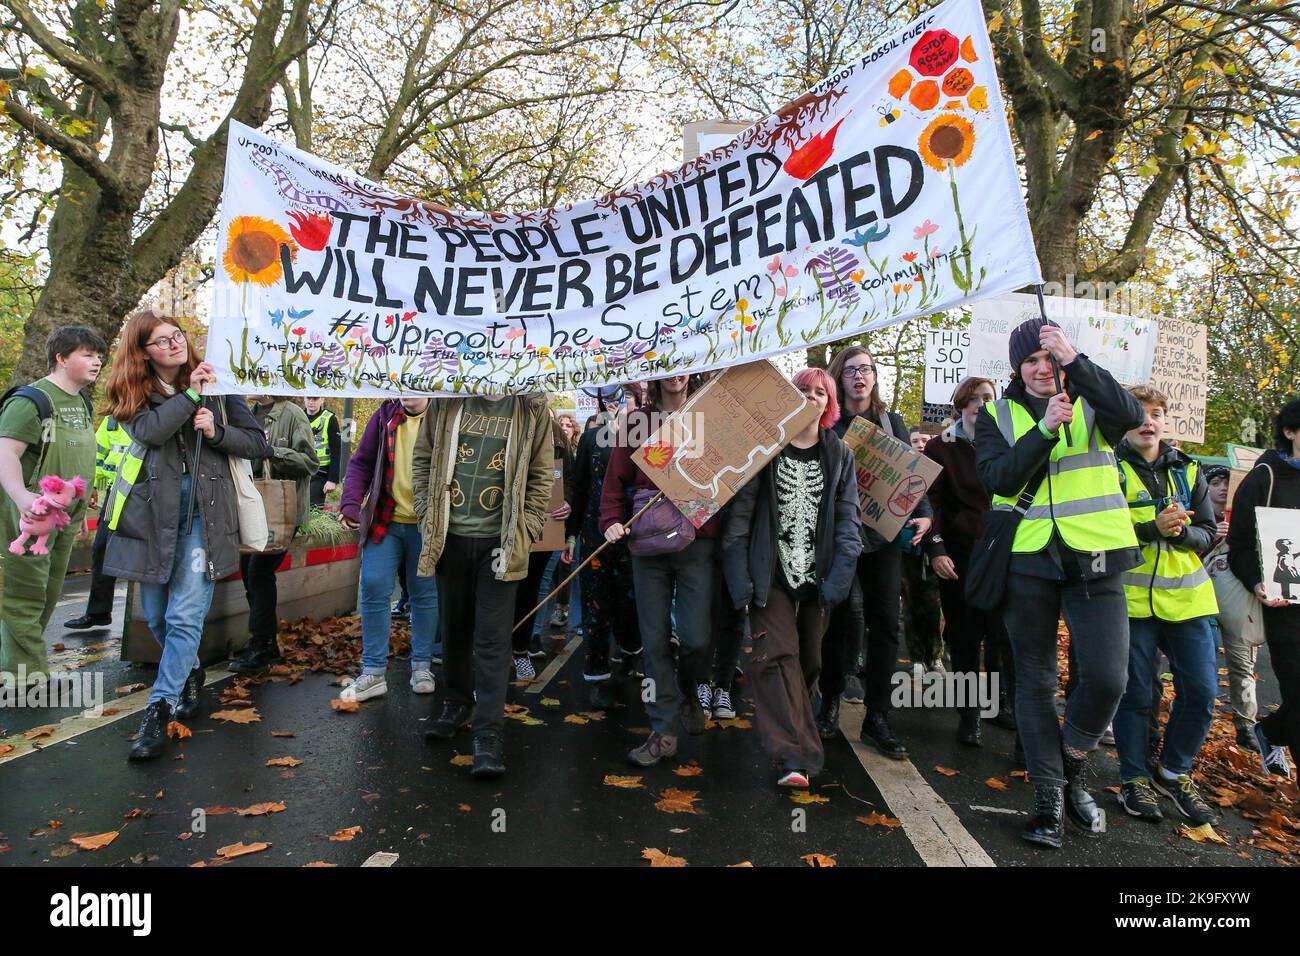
{"points": [[816, 223], [1178, 370], [945, 363], [892, 479], [722, 437], [1124, 345]]}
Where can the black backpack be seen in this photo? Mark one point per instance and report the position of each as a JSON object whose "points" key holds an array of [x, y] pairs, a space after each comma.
{"points": [[44, 410]]}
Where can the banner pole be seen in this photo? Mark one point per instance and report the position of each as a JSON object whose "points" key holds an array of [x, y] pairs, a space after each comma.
{"points": [[559, 587], [1056, 369]]}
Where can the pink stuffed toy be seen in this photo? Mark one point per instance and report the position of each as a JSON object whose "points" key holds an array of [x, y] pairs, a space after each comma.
{"points": [[51, 511]]}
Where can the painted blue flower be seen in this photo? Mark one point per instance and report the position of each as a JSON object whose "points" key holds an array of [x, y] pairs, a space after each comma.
{"points": [[296, 314], [277, 317], [860, 238]]}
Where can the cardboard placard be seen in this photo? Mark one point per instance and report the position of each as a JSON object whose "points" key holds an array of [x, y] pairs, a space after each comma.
{"points": [[1178, 369], [1277, 533], [552, 538], [1234, 479], [892, 479], [1243, 456], [722, 437]]}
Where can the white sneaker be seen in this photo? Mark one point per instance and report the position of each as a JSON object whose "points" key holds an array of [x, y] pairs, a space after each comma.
{"points": [[364, 687], [524, 669], [793, 778], [422, 682], [722, 709]]}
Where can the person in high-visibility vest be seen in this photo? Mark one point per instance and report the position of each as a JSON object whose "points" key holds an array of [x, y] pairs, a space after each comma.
{"points": [[329, 448], [1048, 453], [1170, 606], [112, 442]]}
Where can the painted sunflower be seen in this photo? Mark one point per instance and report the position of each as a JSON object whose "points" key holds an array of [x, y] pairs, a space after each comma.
{"points": [[253, 250], [948, 139]]}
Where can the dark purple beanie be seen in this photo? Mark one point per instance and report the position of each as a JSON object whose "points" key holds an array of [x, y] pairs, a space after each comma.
{"points": [[1024, 342]]}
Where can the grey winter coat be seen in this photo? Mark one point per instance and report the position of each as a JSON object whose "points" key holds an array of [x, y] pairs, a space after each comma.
{"points": [[144, 545], [749, 544]]}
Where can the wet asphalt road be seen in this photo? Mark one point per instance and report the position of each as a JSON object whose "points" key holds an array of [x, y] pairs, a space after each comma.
{"points": [[374, 770]]}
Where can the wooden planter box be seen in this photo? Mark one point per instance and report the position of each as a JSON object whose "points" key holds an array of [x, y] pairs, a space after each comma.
{"points": [[314, 581]]}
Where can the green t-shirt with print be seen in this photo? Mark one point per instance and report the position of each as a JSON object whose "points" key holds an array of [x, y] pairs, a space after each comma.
{"points": [[478, 483], [72, 447]]}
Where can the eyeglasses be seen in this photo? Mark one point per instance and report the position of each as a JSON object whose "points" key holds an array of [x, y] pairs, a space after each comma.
{"points": [[859, 371], [167, 341]]}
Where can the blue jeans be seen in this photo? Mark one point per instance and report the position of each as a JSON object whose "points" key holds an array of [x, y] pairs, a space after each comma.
{"points": [[379, 564], [1189, 645], [175, 611]]}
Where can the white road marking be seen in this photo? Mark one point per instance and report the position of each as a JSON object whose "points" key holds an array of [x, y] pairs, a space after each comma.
{"points": [[85, 722], [553, 668], [1014, 813], [935, 831], [380, 859]]}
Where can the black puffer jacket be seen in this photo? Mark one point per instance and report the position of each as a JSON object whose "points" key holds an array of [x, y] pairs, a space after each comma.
{"points": [[749, 553], [144, 545]]}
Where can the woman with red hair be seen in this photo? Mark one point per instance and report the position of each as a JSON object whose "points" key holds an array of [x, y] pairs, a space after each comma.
{"points": [[176, 549], [790, 549]]}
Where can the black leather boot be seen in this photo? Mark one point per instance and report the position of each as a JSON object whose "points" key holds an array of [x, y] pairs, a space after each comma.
{"points": [[1080, 805], [1006, 715], [152, 738], [876, 731], [601, 695], [828, 721], [968, 727], [489, 759], [191, 695], [453, 717], [259, 654], [1045, 826]]}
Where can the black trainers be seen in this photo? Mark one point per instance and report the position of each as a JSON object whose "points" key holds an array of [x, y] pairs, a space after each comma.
{"points": [[1045, 826], [151, 741], [1187, 798], [828, 718], [191, 700], [489, 760], [1080, 805], [1006, 715], [1271, 758], [876, 731], [601, 695], [453, 717], [968, 727], [87, 621], [1139, 800], [656, 747]]}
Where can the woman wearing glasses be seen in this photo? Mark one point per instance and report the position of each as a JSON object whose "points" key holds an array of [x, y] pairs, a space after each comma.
{"points": [[175, 548], [879, 575]]}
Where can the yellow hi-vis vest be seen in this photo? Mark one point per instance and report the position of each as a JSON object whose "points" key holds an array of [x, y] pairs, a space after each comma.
{"points": [[320, 429], [111, 441], [1080, 496], [1171, 584], [128, 474]]}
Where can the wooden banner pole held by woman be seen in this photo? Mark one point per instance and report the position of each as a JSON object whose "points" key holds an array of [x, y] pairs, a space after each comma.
{"points": [[559, 587], [194, 468]]}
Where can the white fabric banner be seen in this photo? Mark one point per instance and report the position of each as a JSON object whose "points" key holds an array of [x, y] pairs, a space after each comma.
{"points": [[887, 191], [1124, 345]]}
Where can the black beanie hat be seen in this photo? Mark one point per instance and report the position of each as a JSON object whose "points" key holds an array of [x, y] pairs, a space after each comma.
{"points": [[1024, 342]]}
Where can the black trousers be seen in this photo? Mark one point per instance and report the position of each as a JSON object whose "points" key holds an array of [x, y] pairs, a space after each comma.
{"points": [[258, 572], [1282, 632], [968, 630], [477, 613], [728, 630], [318, 490], [880, 579], [526, 596], [100, 602]]}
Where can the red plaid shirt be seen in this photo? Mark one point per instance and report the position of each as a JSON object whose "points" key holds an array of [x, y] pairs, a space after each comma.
{"points": [[387, 505]]}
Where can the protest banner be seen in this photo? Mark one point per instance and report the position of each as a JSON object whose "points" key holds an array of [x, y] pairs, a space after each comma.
{"points": [[1277, 533], [945, 363], [887, 191], [722, 437], [1124, 345], [892, 478], [1178, 370]]}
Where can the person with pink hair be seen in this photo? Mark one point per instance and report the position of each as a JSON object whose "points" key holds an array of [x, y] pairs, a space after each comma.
{"points": [[790, 549]]}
